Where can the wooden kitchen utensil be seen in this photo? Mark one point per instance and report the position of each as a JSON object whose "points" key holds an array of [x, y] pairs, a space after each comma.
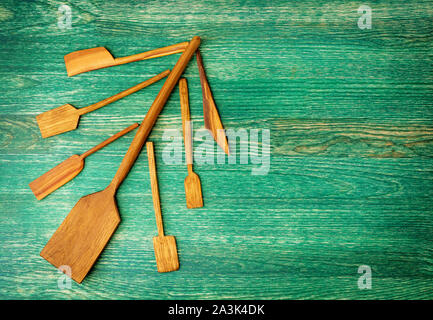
{"points": [[68, 169], [192, 183], [89, 226], [96, 58], [212, 120], [165, 246], [65, 118]]}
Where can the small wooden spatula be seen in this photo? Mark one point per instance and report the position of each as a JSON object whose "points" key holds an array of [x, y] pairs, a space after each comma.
{"points": [[65, 118], [165, 246], [192, 183], [212, 120], [96, 58], [68, 169]]}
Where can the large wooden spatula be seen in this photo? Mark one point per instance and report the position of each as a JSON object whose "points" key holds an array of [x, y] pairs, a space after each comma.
{"points": [[192, 183], [165, 246], [96, 58], [65, 118], [212, 120], [68, 169], [87, 229]]}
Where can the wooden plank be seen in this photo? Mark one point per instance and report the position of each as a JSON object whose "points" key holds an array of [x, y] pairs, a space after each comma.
{"points": [[350, 118]]}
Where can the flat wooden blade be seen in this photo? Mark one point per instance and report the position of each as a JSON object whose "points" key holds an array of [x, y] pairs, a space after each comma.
{"points": [[193, 195], [166, 253], [212, 120], [83, 234], [57, 176], [86, 60], [62, 119]]}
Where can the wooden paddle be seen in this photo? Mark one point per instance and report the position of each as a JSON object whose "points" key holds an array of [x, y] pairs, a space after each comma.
{"points": [[65, 118], [192, 183], [89, 226], [68, 169], [165, 246], [97, 58], [212, 120]]}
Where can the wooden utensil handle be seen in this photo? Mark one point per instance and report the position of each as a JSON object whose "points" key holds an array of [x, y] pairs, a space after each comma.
{"points": [[160, 52], [154, 187], [109, 140], [186, 121], [203, 77], [154, 110], [124, 93]]}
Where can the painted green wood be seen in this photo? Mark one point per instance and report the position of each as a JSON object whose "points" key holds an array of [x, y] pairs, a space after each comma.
{"points": [[351, 177]]}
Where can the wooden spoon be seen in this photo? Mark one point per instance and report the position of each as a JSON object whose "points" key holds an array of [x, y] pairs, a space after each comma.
{"points": [[212, 120], [86, 230], [96, 58], [192, 183], [65, 118], [165, 246], [68, 169]]}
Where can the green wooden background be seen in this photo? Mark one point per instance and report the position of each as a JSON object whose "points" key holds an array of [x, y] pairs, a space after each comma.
{"points": [[350, 115]]}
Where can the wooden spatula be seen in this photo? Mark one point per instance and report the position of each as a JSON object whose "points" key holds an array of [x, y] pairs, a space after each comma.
{"points": [[192, 183], [165, 246], [87, 229], [68, 169], [212, 120], [96, 58], [65, 118]]}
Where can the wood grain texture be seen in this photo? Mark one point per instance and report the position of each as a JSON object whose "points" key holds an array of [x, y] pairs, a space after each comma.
{"points": [[165, 246], [193, 194], [350, 116], [84, 233], [57, 176], [96, 58], [59, 120]]}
